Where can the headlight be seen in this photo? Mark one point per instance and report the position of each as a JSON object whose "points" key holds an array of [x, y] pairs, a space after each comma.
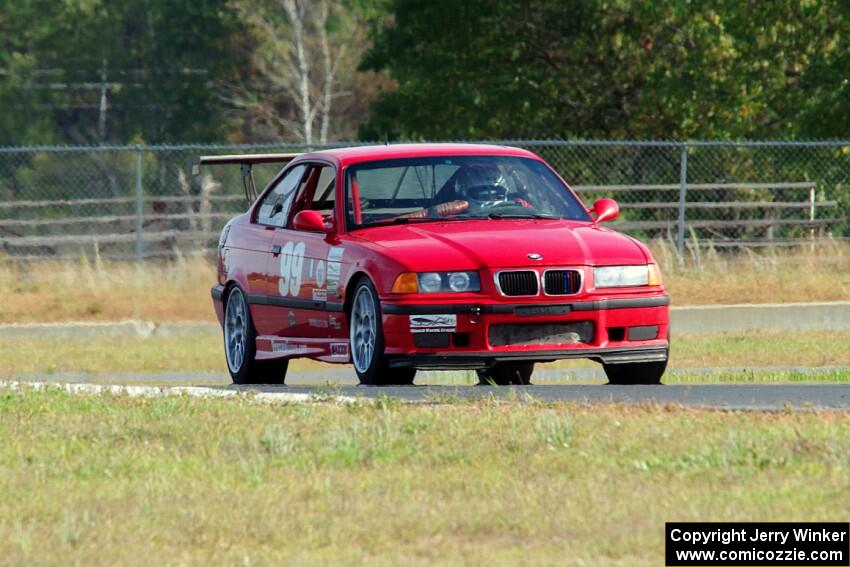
{"points": [[430, 282], [459, 281], [437, 282], [621, 276]]}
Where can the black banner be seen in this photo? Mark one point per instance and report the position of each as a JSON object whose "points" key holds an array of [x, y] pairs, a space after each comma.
{"points": [[744, 544]]}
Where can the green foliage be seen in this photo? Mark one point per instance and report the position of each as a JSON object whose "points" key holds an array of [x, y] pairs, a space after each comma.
{"points": [[613, 69], [160, 59], [656, 69]]}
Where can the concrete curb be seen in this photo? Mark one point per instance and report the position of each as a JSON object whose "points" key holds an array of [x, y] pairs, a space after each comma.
{"points": [[725, 397], [191, 391], [825, 316]]}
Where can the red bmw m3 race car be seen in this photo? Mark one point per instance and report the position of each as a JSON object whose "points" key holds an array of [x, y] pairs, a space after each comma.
{"points": [[433, 256]]}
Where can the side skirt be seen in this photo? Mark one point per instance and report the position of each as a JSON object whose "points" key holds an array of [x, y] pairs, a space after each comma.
{"points": [[271, 347]]}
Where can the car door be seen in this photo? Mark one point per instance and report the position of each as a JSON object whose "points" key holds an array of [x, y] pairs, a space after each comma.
{"points": [[308, 264], [272, 214]]}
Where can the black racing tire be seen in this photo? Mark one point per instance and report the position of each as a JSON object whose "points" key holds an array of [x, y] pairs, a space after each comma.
{"points": [[635, 373], [506, 374], [366, 335], [239, 330]]}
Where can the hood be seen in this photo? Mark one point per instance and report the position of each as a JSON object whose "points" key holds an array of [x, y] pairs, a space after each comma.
{"points": [[459, 245]]}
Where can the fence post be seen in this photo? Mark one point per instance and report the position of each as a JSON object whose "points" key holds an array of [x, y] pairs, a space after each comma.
{"points": [[683, 189], [812, 199], [140, 248]]}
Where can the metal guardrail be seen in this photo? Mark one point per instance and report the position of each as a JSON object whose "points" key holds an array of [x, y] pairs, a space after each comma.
{"points": [[141, 202]]}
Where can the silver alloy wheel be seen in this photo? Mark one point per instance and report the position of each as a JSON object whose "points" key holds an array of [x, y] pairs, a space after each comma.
{"points": [[235, 330], [363, 329]]}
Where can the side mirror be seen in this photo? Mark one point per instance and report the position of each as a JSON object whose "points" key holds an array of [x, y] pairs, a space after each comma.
{"points": [[606, 209], [310, 221]]}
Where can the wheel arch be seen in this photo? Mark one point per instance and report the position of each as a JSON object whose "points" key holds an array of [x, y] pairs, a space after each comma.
{"points": [[225, 294], [349, 295], [228, 287]]}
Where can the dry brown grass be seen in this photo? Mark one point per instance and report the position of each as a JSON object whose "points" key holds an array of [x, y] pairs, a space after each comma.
{"points": [[178, 290], [820, 272]]}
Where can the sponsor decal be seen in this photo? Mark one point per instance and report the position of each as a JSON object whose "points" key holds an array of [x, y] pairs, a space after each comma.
{"points": [[334, 322], [320, 295], [291, 267], [433, 323], [283, 346], [292, 320], [339, 349], [318, 323], [335, 255]]}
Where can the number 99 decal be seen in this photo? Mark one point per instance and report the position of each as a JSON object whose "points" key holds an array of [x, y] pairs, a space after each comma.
{"points": [[291, 265]]}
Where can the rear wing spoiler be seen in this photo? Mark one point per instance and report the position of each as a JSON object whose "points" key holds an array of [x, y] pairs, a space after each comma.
{"points": [[246, 162]]}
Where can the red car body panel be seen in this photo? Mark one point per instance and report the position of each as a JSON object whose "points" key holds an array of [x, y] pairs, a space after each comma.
{"points": [[311, 319]]}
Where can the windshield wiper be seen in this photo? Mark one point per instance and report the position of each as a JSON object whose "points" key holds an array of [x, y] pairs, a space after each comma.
{"points": [[522, 216]]}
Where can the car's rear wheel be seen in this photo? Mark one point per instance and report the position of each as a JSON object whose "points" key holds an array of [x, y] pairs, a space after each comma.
{"points": [[635, 372], [506, 374], [366, 332], [240, 346]]}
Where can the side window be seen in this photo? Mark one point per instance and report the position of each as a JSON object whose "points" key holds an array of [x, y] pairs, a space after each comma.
{"points": [[276, 204], [317, 192]]}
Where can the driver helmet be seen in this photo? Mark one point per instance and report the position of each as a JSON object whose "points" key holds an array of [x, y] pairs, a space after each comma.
{"points": [[483, 183]]}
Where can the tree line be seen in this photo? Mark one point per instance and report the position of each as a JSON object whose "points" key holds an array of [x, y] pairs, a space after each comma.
{"points": [[312, 71]]}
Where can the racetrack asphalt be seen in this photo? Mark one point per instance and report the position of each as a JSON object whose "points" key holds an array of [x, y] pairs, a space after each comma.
{"points": [[777, 396], [714, 396]]}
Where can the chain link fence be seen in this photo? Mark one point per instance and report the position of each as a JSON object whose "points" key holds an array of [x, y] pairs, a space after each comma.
{"points": [[137, 202]]}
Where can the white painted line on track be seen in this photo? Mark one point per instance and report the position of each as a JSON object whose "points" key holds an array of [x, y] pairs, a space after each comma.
{"points": [[192, 391]]}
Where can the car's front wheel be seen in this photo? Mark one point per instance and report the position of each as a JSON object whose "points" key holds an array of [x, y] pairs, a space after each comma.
{"points": [[366, 333], [506, 374], [240, 346], [635, 372]]}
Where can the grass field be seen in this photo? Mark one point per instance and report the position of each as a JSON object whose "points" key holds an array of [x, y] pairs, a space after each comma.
{"points": [[179, 290], [117, 480], [204, 352]]}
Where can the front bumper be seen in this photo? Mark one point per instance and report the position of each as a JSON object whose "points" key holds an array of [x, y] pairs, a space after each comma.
{"points": [[618, 335], [458, 360]]}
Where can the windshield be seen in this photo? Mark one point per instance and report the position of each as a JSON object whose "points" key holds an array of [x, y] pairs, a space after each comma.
{"points": [[456, 188]]}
